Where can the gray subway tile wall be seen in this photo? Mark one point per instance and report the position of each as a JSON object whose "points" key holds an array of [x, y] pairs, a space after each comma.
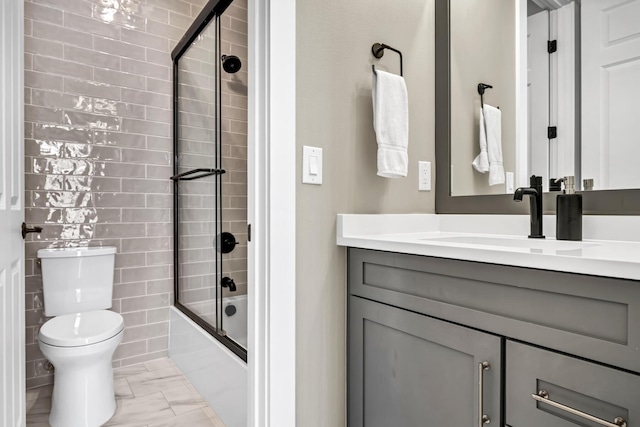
{"points": [[98, 154]]}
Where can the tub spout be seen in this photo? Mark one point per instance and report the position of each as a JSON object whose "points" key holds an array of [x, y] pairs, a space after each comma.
{"points": [[227, 282]]}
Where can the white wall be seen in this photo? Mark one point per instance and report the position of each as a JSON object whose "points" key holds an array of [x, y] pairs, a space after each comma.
{"points": [[334, 112]]}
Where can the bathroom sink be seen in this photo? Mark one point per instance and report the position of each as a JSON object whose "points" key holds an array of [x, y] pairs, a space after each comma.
{"points": [[514, 242]]}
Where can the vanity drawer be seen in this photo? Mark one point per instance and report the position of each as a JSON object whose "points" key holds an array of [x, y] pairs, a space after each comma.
{"points": [[581, 387], [597, 318]]}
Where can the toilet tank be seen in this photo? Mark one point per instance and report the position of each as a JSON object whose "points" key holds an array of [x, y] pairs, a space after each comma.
{"points": [[76, 280]]}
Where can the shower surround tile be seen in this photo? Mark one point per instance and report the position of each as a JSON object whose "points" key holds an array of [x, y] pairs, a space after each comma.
{"points": [[98, 142]]}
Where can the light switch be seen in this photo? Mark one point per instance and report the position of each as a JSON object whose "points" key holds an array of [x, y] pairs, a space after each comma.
{"points": [[311, 165]]}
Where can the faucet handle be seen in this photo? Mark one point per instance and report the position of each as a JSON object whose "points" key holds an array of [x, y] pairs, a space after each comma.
{"points": [[535, 180]]}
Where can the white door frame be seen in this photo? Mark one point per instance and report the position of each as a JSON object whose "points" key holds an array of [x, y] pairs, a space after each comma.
{"points": [[522, 99], [12, 314], [537, 108], [562, 152], [272, 213]]}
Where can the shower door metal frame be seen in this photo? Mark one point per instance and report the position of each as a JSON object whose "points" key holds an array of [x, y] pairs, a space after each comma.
{"points": [[210, 12]]}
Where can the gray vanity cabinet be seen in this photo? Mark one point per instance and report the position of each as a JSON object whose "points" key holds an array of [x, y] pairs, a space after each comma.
{"points": [[409, 370], [421, 327], [584, 389]]}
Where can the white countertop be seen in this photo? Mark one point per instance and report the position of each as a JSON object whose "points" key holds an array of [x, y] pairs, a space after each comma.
{"points": [[449, 236]]}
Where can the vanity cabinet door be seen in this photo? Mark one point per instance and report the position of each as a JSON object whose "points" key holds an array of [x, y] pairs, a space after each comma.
{"points": [[581, 387], [410, 370]]}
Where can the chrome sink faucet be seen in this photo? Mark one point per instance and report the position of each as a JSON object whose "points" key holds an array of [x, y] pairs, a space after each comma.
{"points": [[534, 191]]}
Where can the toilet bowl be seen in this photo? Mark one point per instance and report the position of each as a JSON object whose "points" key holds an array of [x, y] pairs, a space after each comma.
{"points": [[82, 335], [80, 347]]}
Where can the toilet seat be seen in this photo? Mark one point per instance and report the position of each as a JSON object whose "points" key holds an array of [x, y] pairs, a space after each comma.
{"points": [[81, 329]]}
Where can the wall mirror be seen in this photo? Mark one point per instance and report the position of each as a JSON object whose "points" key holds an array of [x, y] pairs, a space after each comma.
{"points": [[569, 112]]}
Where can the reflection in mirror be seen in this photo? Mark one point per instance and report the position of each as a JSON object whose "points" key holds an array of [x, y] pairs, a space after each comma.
{"points": [[610, 32], [483, 50], [587, 89]]}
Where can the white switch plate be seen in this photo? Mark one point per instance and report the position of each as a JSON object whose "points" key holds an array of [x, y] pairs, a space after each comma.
{"points": [[424, 176], [311, 165], [509, 183]]}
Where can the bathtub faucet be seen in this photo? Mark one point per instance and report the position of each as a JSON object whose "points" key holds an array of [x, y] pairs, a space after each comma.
{"points": [[227, 282]]}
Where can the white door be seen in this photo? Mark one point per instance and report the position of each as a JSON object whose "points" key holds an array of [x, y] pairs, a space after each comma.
{"points": [[12, 331], [538, 94], [562, 89], [610, 93]]}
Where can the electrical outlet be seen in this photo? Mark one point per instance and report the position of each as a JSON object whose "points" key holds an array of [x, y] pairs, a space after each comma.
{"points": [[424, 176], [509, 184]]}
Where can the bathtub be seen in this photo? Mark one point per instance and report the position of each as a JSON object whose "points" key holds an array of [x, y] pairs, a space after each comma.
{"points": [[218, 374], [234, 318]]}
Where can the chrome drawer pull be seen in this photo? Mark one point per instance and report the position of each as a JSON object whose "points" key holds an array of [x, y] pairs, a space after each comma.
{"points": [[543, 397], [482, 417]]}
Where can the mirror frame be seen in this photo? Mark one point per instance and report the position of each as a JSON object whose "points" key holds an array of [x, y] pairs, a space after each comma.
{"points": [[598, 202]]}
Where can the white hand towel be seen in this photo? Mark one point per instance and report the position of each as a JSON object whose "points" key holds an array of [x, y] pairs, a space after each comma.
{"points": [[481, 162], [490, 157], [391, 123]]}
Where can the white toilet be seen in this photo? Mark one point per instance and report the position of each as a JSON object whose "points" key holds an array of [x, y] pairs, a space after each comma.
{"points": [[81, 339]]}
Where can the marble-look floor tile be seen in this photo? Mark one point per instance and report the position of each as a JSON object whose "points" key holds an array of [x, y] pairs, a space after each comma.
{"points": [[128, 371], [217, 422], [195, 393], [154, 365], [141, 411], [39, 392], [197, 418], [38, 410], [182, 400], [155, 381], [151, 394], [122, 389]]}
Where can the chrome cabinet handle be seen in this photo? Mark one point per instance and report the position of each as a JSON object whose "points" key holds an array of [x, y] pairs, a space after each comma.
{"points": [[543, 397], [482, 417]]}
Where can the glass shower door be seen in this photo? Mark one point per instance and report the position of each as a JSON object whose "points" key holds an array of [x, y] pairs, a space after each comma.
{"points": [[197, 177], [233, 138], [210, 180]]}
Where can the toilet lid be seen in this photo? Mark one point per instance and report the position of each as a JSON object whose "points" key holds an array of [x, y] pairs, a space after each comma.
{"points": [[74, 330]]}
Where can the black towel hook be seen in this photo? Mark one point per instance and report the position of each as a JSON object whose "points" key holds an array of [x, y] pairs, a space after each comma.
{"points": [[378, 51], [481, 88]]}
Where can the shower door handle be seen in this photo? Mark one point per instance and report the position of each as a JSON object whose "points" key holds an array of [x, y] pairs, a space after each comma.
{"points": [[189, 175]]}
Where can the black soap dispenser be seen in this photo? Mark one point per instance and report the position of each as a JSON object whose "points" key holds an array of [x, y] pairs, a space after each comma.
{"points": [[569, 212]]}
